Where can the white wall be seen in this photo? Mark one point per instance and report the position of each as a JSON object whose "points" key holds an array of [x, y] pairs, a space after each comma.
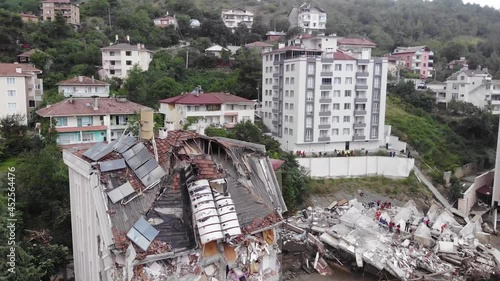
{"points": [[20, 99], [357, 166], [86, 91], [469, 197]]}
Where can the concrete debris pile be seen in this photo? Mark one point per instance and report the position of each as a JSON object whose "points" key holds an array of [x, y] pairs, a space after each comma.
{"points": [[399, 241]]}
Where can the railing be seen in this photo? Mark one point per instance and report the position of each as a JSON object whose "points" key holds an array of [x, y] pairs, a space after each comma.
{"points": [[360, 125], [324, 138], [326, 73], [362, 74], [358, 137], [360, 99], [324, 126], [325, 100], [359, 112], [325, 113]]}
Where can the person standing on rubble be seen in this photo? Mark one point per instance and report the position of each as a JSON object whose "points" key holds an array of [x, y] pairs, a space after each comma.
{"points": [[391, 225], [407, 225], [377, 214]]}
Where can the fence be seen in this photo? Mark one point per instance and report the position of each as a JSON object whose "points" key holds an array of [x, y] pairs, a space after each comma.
{"points": [[359, 166]]}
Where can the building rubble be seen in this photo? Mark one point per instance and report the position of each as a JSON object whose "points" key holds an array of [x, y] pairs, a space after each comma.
{"points": [[434, 246]]}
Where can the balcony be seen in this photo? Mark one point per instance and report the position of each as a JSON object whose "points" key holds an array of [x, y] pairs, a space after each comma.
{"points": [[38, 92], [325, 100], [276, 62], [359, 112], [359, 125], [275, 122], [326, 60], [362, 74], [311, 59], [275, 110], [325, 113], [326, 73], [276, 74], [275, 98], [360, 99], [309, 113], [363, 61], [358, 138], [361, 87], [324, 138], [276, 87], [324, 126], [326, 87]]}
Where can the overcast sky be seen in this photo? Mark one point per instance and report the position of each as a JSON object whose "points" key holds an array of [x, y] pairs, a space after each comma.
{"points": [[491, 3]]}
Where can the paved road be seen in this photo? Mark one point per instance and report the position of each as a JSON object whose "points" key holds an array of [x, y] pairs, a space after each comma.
{"points": [[438, 195]]}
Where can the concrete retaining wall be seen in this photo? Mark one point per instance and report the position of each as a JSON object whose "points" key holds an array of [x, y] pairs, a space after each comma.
{"points": [[358, 166]]}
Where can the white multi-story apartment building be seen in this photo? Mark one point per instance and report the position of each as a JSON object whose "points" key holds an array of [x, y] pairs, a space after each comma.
{"points": [[232, 18], [83, 87], [199, 110], [317, 97], [70, 11], [308, 17], [89, 120], [21, 89], [118, 59], [474, 86]]}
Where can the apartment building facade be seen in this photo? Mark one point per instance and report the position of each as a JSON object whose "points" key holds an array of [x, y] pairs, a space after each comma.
{"points": [[119, 59], [70, 11], [324, 99], [83, 87], [21, 89], [473, 86], [200, 110], [232, 18], [309, 18], [419, 59], [90, 120]]}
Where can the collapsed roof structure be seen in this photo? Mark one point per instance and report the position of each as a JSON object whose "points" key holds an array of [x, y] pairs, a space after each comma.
{"points": [[179, 207]]}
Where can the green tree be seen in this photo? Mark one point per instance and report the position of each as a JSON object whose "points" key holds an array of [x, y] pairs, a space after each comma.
{"points": [[13, 134], [249, 64], [95, 8]]}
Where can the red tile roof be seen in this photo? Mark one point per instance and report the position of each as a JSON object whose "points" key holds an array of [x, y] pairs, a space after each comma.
{"points": [[342, 56], [206, 98], [9, 69], [83, 129], [84, 106], [356, 41], [258, 44], [84, 81]]}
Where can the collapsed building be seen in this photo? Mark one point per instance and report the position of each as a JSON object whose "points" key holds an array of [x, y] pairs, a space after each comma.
{"points": [[178, 207], [351, 236]]}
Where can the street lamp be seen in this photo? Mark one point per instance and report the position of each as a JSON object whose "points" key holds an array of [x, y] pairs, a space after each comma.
{"points": [[287, 146]]}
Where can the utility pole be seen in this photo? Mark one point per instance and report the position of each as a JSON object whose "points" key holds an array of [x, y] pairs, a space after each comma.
{"points": [[109, 17], [187, 57]]}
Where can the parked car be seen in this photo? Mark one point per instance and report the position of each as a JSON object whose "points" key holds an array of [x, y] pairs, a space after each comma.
{"points": [[421, 85]]}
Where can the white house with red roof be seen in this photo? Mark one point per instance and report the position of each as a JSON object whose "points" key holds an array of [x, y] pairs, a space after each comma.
{"points": [[198, 110], [20, 89], [262, 47], [165, 21], [83, 87], [321, 93], [90, 120]]}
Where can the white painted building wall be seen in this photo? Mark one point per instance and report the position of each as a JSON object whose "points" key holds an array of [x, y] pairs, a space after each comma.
{"points": [[84, 91], [469, 197], [312, 19], [13, 92], [123, 62], [357, 166]]}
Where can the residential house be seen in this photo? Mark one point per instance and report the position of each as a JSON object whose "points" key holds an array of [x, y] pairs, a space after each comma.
{"points": [[83, 87], [262, 47], [21, 89], [194, 23], [25, 57], [322, 93], [119, 59], [179, 205], [28, 17], [89, 120], [232, 18], [457, 63], [275, 35], [395, 64], [419, 59], [474, 86], [70, 11], [205, 109], [166, 21], [309, 18]]}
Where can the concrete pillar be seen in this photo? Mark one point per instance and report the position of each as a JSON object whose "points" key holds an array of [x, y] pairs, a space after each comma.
{"points": [[496, 183]]}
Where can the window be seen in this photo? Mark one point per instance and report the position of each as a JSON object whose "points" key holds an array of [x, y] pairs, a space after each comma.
{"points": [[325, 94], [324, 120], [348, 80], [338, 67], [129, 62], [323, 133], [376, 94], [11, 93], [291, 119], [373, 132], [287, 93], [455, 86], [112, 71], [12, 105], [375, 108], [462, 78], [286, 106], [309, 122], [292, 93], [32, 103], [310, 68], [347, 106], [375, 119], [326, 68], [121, 120], [337, 81], [309, 135], [287, 81], [346, 131], [84, 121], [65, 139], [335, 119], [11, 81], [335, 132], [325, 108], [111, 53], [309, 96], [286, 118], [290, 132], [336, 94], [287, 67], [87, 137], [292, 81], [349, 67], [61, 121], [326, 81], [347, 93], [292, 67], [128, 53], [291, 106], [378, 69], [309, 109], [347, 119], [336, 106]]}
